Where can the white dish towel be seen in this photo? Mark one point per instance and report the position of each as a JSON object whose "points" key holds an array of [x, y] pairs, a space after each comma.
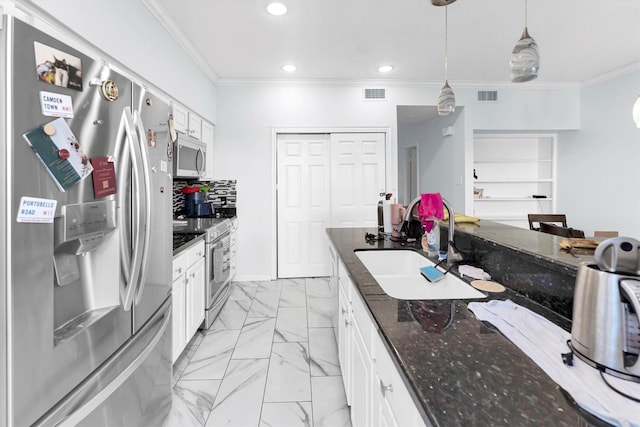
{"points": [[544, 342]]}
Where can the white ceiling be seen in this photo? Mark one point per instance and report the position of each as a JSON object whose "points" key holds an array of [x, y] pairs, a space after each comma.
{"points": [[579, 40]]}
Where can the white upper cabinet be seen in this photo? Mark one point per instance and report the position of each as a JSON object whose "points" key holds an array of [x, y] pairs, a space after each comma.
{"points": [[207, 138], [180, 118], [195, 126], [187, 122]]}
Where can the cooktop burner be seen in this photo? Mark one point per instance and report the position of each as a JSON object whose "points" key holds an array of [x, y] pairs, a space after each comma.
{"points": [[181, 239]]}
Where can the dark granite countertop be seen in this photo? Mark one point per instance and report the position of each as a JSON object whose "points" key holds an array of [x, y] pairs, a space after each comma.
{"points": [[545, 247], [465, 372], [183, 242]]}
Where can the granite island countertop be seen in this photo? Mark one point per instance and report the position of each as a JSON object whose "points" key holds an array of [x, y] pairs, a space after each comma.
{"points": [[462, 372]]}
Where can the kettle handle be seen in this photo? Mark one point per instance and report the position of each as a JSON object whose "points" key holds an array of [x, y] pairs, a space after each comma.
{"points": [[619, 255]]}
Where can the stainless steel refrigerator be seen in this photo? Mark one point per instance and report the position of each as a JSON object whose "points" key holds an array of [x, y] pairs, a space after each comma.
{"points": [[85, 239]]}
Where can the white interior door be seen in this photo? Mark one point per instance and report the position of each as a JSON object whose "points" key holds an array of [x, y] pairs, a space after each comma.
{"points": [[357, 178], [303, 204], [324, 180]]}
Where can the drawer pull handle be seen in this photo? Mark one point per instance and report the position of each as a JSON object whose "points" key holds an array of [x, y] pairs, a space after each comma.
{"points": [[384, 389], [344, 311], [347, 323], [179, 270]]}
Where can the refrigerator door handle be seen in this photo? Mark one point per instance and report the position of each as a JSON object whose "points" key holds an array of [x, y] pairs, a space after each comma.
{"points": [[146, 213], [130, 262]]}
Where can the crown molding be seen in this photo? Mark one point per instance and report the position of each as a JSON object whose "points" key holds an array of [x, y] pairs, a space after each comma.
{"points": [[479, 85], [165, 19], [634, 66]]}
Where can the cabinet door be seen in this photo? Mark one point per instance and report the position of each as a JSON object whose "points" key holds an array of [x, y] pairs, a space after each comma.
{"points": [[195, 126], [194, 298], [383, 412], [344, 341], [178, 318], [180, 118], [391, 390], [361, 377]]}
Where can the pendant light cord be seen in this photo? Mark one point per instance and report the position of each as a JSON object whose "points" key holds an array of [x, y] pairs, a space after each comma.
{"points": [[446, 43], [526, 9]]}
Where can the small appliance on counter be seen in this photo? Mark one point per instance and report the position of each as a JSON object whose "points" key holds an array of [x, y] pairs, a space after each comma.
{"points": [[605, 331], [225, 212], [195, 202]]}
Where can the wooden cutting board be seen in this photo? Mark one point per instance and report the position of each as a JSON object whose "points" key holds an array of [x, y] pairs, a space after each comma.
{"points": [[571, 242]]}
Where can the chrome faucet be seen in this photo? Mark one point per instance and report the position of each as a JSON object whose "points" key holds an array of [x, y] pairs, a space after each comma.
{"points": [[453, 256]]}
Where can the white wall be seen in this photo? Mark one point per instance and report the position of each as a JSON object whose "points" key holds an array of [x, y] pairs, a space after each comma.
{"points": [[127, 32], [247, 114], [599, 166], [440, 158]]}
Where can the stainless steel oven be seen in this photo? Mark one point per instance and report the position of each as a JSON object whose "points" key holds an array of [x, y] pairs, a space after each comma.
{"points": [[217, 270]]}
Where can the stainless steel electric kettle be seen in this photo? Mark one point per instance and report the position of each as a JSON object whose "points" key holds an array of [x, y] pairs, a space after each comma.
{"points": [[605, 330]]}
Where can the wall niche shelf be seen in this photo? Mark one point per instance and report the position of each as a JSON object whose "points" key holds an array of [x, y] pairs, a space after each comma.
{"points": [[511, 168]]}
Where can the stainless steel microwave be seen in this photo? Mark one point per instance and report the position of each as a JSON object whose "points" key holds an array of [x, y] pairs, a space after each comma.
{"points": [[190, 157]]}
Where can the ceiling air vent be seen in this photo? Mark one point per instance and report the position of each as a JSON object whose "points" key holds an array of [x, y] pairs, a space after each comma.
{"points": [[488, 95], [375, 94]]}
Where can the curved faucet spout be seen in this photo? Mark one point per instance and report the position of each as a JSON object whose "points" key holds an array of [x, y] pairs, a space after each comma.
{"points": [[453, 256]]}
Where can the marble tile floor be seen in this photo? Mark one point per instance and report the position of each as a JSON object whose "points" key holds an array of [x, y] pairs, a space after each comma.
{"points": [[269, 360]]}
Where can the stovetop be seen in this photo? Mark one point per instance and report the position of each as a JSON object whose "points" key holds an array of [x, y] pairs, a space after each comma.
{"points": [[183, 239], [212, 227]]}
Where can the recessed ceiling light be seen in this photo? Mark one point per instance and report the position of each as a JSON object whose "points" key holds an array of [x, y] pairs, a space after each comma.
{"points": [[276, 9], [289, 68], [385, 68]]}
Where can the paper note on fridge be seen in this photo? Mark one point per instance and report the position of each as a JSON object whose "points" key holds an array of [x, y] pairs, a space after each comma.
{"points": [[36, 210], [60, 152]]}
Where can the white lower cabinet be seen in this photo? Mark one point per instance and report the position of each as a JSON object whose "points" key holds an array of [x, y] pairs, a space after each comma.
{"points": [[344, 339], [394, 403], [361, 375], [188, 296], [178, 318], [374, 387]]}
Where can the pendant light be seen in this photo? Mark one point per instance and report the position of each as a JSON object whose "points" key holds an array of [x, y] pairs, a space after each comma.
{"points": [[636, 111], [525, 59], [441, 2], [446, 99]]}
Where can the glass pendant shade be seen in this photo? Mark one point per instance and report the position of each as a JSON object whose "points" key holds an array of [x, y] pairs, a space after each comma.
{"points": [[636, 111], [446, 100], [525, 59], [441, 2]]}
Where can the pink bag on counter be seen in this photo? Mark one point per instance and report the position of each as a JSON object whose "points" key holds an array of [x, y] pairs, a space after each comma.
{"points": [[430, 207]]}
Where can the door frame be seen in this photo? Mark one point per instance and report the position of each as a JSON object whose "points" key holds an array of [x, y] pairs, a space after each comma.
{"points": [[407, 173], [390, 170]]}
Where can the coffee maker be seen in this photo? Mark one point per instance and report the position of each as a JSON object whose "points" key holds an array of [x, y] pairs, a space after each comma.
{"points": [[196, 203], [605, 332]]}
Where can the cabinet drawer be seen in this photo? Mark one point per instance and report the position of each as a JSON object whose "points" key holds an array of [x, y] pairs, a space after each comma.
{"points": [[196, 252], [180, 264], [344, 279], [391, 388]]}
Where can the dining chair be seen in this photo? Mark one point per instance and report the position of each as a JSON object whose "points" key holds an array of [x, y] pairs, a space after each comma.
{"points": [[548, 228], [548, 218]]}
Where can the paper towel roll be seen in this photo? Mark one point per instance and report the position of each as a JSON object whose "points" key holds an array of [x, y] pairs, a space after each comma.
{"points": [[397, 213], [386, 216]]}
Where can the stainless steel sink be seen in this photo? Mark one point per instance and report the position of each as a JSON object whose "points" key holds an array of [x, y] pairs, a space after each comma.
{"points": [[398, 274]]}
